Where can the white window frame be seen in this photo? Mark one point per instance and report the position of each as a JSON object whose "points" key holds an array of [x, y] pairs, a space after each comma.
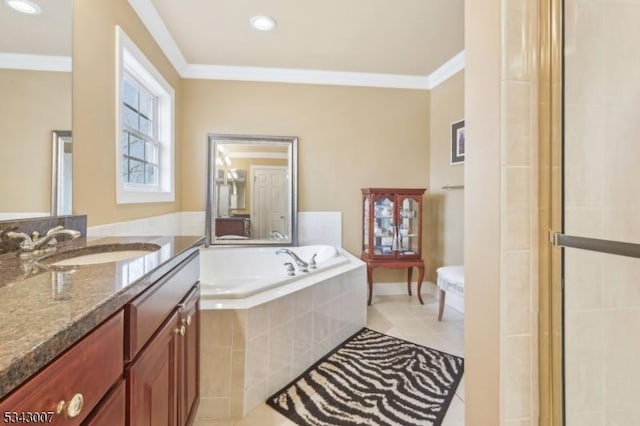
{"points": [[130, 58]]}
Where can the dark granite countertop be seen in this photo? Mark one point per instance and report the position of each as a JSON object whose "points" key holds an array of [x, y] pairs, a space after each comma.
{"points": [[44, 311]]}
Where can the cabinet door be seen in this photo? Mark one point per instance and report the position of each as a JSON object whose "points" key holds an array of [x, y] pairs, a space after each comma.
{"points": [[112, 409], [189, 357], [384, 226], [409, 229], [152, 379]]}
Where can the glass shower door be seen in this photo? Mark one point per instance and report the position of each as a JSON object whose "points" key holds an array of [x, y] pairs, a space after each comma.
{"points": [[601, 213]]}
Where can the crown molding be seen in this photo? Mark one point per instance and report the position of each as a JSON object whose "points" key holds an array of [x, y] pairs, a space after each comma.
{"points": [[152, 20], [300, 76], [447, 70], [20, 61]]}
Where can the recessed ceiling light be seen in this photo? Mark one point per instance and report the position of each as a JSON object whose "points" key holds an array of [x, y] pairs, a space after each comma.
{"points": [[24, 6], [263, 23]]}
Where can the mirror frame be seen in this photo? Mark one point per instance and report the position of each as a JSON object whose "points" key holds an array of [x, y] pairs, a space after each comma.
{"points": [[215, 139], [60, 138]]}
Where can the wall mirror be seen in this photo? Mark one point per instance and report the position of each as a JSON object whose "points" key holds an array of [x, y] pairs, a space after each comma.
{"points": [[61, 173], [251, 190], [35, 100]]}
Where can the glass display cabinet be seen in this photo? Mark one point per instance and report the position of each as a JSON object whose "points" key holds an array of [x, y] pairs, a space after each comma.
{"points": [[392, 232]]}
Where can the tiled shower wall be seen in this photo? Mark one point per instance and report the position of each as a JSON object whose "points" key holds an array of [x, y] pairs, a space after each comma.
{"points": [[519, 213]]}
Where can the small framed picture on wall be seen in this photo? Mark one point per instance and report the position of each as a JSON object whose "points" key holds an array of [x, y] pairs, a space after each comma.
{"points": [[457, 142]]}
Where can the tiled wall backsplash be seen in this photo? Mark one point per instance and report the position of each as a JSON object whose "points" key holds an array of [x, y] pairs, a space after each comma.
{"points": [[313, 227]]}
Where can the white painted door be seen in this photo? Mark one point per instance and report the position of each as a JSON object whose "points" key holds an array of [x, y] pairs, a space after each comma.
{"points": [[269, 201]]}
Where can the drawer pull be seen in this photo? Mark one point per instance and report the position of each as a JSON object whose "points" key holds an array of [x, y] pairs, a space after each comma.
{"points": [[73, 407], [187, 320], [181, 330]]}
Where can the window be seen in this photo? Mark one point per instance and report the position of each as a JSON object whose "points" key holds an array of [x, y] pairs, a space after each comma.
{"points": [[145, 128]]}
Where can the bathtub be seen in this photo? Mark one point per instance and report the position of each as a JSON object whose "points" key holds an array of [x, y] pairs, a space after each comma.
{"points": [[242, 277], [264, 328]]}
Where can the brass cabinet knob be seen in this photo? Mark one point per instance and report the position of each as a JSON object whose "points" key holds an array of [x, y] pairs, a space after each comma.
{"points": [[73, 407], [180, 330], [188, 320]]}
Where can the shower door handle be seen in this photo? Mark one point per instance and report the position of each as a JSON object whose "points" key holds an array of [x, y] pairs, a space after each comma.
{"points": [[620, 248]]}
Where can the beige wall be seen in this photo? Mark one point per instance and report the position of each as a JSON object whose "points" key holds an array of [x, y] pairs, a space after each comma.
{"points": [[482, 213], [32, 105], [350, 138], [445, 229], [94, 181]]}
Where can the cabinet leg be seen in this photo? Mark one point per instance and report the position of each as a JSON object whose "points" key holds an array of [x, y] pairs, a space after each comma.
{"points": [[370, 282], [420, 278], [441, 304], [409, 276]]}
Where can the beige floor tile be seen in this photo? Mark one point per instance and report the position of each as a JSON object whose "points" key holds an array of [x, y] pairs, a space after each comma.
{"points": [[401, 316]]}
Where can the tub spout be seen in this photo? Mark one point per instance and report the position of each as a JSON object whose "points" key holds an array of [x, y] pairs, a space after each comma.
{"points": [[302, 265]]}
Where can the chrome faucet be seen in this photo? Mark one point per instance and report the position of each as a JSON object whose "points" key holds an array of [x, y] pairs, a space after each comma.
{"points": [[34, 241], [302, 265], [277, 235]]}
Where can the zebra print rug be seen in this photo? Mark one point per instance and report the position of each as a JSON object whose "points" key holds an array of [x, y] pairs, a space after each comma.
{"points": [[373, 379]]}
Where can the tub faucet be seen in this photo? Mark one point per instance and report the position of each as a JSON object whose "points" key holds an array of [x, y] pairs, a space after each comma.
{"points": [[302, 265], [277, 235], [34, 241], [312, 263]]}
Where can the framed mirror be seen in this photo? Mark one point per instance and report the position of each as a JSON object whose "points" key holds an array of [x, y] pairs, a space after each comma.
{"points": [[61, 173], [35, 83], [252, 190]]}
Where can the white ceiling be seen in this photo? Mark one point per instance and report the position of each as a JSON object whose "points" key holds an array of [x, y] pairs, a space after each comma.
{"points": [[48, 33], [401, 43], [406, 37]]}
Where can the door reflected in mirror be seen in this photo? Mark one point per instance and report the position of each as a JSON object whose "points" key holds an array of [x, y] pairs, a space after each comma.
{"points": [[252, 190]]}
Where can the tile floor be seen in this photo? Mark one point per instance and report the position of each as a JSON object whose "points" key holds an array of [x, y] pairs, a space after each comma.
{"points": [[403, 317]]}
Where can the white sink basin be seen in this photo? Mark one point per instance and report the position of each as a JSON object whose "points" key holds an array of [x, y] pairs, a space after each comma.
{"points": [[106, 257], [93, 255]]}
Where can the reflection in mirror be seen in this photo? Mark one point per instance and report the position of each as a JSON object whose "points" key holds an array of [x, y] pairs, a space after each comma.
{"points": [[251, 190], [35, 99], [61, 173]]}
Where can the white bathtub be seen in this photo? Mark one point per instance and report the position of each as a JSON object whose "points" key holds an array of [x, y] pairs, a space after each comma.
{"points": [[268, 326], [242, 277]]}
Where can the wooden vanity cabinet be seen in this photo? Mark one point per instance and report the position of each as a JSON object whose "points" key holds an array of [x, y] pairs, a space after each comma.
{"points": [[139, 367], [72, 385], [189, 366], [162, 378], [153, 378]]}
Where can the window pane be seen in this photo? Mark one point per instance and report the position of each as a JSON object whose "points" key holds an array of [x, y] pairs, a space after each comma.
{"points": [[145, 126], [131, 118], [146, 105], [136, 171], [130, 94], [136, 147], [151, 153], [125, 169], [151, 173], [125, 143]]}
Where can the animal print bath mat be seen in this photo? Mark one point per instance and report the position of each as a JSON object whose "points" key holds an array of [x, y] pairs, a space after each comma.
{"points": [[373, 379]]}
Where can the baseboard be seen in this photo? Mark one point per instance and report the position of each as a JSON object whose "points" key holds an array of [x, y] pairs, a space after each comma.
{"points": [[452, 300]]}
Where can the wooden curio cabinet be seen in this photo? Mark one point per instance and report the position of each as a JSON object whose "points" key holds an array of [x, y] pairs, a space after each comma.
{"points": [[392, 231]]}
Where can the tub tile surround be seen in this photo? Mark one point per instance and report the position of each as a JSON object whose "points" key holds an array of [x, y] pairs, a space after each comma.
{"points": [[249, 354], [313, 227]]}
